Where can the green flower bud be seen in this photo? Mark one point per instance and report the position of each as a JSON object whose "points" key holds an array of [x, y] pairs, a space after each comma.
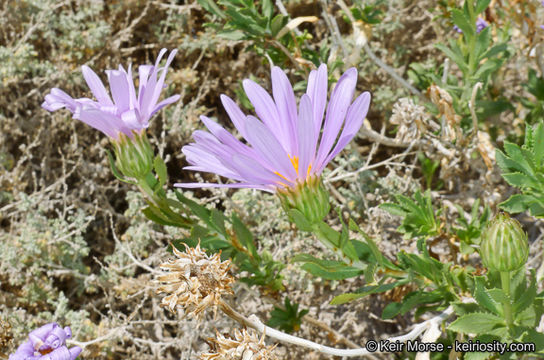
{"points": [[310, 198], [504, 245], [133, 156]]}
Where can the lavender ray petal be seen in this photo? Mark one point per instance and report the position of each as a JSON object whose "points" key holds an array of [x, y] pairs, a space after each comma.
{"points": [[307, 140], [354, 119], [336, 112], [253, 172], [212, 185], [154, 86], [119, 90], [167, 101], [284, 97], [227, 138], [96, 86], [268, 147], [236, 115], [266, 111], [143, 74], [317, 91]]}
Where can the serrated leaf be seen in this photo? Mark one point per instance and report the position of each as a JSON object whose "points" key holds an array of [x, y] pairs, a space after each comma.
{"points": [[520, 180], [526, 299], [476, 323], [518, 203], [517, 155], [527, 317], [483, 298]]}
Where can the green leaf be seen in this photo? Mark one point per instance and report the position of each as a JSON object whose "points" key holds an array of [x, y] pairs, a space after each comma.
{"points": [[154, 214], [327, 269], [218, 222], [517, 155], [300, 220], [483, 298], [199, 210], [234, 35], [481, 5], [211, 6], [459, 19], [268, 9], [287, 319], [538, 147], [456, 57], [476, 323], [517, 203], [393, 209], [520, 180], [527, 317], [278, 22], [244, 235], [365, 291], [391, 310]]}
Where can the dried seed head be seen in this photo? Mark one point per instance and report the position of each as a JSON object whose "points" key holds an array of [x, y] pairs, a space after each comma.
{"points": [[412, 119], [194, 281], [245, 345]]}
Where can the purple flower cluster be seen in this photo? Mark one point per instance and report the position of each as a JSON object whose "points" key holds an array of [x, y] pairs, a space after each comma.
{"points": [[127, 112], [480, 25], [47, 343], [285, 146]]}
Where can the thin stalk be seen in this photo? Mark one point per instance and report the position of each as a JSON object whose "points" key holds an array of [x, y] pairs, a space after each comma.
{"points": [[507, 304]]}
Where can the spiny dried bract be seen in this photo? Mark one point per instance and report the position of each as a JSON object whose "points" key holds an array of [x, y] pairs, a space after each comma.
{"points": [[412, 119], [194, 281], [245, 345]]}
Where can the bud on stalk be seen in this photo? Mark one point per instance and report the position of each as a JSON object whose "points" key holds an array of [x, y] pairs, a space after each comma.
{"points": [[504, 245]]}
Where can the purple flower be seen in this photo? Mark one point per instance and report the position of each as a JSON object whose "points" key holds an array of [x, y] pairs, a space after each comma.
{"points": [[127, 112], [481, 24], [285, 147], [47, 343]]}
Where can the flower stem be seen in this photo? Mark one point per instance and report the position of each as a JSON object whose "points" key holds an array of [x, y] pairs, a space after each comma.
{"points": [[507, 304]]}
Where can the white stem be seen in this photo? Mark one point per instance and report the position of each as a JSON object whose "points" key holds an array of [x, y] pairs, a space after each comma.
{"points": [[256, 324]]}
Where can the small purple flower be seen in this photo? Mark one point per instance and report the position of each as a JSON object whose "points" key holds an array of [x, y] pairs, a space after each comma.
{"points": [[127, 112], [47, 343], [285, 147], [481, 24]]}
